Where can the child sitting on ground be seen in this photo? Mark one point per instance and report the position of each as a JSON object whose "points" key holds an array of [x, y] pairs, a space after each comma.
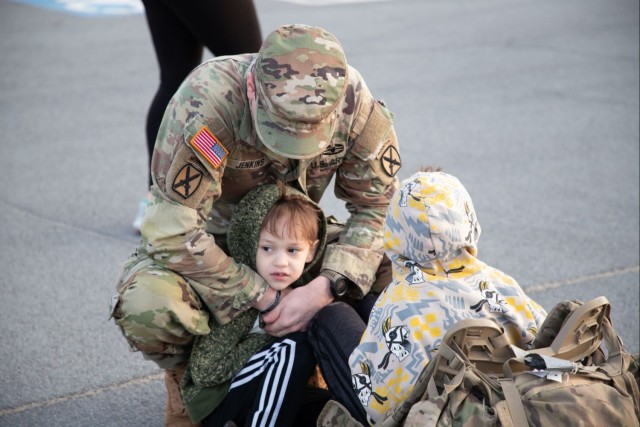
{"points": [[239, 373], [431, 235]]}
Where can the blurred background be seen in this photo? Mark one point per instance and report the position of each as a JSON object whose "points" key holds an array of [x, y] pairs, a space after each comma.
{"points": [[534, 105]]}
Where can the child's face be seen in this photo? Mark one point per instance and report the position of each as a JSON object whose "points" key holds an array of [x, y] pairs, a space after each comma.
{"points": [[280, 260]]}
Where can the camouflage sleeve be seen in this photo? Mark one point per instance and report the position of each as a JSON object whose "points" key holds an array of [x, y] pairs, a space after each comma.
{"points": [[365, 181], [186, 186]]}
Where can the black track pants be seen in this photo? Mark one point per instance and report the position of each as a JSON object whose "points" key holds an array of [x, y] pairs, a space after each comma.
{"points": [[272, 390], [334, 333]]}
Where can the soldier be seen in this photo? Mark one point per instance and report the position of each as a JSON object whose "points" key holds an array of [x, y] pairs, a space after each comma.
{"points": [[295, 111]]}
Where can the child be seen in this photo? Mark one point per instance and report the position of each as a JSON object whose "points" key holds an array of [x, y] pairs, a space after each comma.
{"points": [[237, 372], [430, 235]]}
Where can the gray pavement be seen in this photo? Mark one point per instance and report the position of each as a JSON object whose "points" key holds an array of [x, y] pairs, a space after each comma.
{"points": [[534, 105]]}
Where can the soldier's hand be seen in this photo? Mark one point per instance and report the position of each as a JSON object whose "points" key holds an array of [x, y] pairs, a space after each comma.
{"points": [[298, 307]]}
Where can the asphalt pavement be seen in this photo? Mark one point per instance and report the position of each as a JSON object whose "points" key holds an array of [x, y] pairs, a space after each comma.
{"points": [[534, 105]]}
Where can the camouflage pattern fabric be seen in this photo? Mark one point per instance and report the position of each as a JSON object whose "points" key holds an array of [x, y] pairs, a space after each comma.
{"points": [[579, 400], [208, 156], [452, 390], [335, 415], [160, 314], [431, 234], [603, 391], [301, 77]]}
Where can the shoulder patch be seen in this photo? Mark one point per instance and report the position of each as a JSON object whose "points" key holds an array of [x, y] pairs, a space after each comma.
{"points": [[208, 145], [187, 180], [390, 161]]}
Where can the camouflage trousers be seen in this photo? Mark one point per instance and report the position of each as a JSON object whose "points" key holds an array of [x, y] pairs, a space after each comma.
{"points": [[159, 313]]}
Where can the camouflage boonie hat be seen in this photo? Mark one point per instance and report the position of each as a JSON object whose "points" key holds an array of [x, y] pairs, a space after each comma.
{"points": [[300, 79]]}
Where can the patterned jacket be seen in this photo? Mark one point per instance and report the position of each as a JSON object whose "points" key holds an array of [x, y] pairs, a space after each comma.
{"points": [[193, 197], [431, 235]]}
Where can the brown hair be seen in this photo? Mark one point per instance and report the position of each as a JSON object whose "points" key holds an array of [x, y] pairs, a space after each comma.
{"points": [[299, 215]]}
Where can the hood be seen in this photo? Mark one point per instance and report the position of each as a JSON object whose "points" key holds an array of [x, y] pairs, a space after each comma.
{"points": [[244, 229], [431, 224]]}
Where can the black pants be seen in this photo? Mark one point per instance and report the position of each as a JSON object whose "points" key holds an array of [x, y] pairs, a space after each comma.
{"points": [[181, 29], [334, 333], [272, 390]]}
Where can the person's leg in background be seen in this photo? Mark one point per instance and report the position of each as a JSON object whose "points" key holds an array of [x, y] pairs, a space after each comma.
{"points": [[178, 51], [223, 27], [180, 30]]}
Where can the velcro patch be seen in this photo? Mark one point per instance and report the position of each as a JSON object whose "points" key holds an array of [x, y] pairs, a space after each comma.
{"points": [[209, 146], [187, 181], [375, 134]]}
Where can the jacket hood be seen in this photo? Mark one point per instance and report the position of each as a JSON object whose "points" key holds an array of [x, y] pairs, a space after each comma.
{"points": [[244, 229], [431, 224], [431, 236]]}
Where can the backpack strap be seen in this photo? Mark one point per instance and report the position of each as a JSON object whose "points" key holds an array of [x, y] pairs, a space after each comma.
{"points": [[484, 343], [514, 402], [447, 371], [614, 349], [620, 366], [581, 333]]}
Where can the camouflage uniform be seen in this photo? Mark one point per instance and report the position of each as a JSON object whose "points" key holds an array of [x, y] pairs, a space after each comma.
{"points": [[295, 111]]}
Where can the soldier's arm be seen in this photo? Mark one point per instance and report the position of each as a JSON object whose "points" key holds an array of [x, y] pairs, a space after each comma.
{"points": [[186, 186], [365, 181]]}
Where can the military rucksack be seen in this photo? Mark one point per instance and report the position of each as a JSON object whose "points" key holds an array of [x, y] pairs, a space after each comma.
{"points": [[577, 374]]}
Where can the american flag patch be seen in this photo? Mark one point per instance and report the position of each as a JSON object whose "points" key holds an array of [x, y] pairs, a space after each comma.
{"points": [[209, 146]]}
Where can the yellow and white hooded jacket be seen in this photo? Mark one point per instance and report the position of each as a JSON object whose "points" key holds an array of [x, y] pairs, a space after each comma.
{"points": [[431, 235]]}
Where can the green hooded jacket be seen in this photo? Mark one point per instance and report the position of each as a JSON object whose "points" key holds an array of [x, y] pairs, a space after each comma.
{"points": [[215, 358]]}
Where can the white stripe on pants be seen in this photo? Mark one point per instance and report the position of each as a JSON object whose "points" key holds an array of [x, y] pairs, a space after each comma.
{"points": [[277, 361]]}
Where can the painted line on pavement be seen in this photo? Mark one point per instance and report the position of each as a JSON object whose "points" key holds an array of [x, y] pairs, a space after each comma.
{"points": [[81, 395], [575, 280]]}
